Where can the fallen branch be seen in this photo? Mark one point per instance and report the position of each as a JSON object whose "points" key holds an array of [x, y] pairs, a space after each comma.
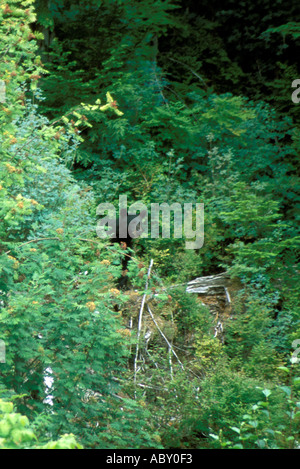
{"points": [[227, 295], [165, 338], [140, 321]]}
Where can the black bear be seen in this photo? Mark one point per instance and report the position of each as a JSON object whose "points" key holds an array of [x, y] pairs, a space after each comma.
{"points": [[128, 227]]}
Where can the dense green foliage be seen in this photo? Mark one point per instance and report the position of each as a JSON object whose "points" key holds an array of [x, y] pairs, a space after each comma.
{"points": [[162, 103], [16, 433]]}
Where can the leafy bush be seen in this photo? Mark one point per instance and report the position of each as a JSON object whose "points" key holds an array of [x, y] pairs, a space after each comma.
{"points": [[261, 427], [17, 433]]}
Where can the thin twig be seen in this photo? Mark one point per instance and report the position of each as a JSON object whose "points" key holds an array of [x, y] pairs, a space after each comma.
{"points": [[154, 362], [170, 362], [190, 69], [159, 87], [163, 335], [34, 241]]}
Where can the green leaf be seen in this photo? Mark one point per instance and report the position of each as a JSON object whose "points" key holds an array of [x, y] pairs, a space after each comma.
{"points": [[253, 423], [235, 429], [286, 389], [261, 443], [284, 368], [267, 392], [6, 407]]}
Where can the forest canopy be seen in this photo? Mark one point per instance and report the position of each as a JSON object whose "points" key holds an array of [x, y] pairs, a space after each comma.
{"points": [[102, 346]]}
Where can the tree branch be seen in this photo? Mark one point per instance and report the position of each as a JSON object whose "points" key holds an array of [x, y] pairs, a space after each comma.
{"points": [[163, 335], [140, 322]]}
